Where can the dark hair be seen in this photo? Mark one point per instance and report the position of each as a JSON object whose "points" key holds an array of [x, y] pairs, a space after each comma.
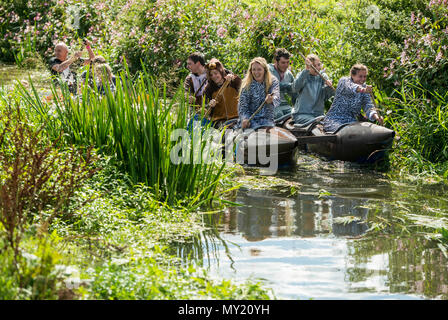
{"points": [[197, 57], [99, 59], [281, 53], [214, 64], [358, 67]]}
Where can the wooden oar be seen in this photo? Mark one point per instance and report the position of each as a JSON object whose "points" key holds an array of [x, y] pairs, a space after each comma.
{"points": [[219, 93], [258, 110], [317, 71]]}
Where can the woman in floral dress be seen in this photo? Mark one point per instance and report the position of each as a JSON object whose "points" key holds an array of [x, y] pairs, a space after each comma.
{"points": [[352, 96], [257, 86]]}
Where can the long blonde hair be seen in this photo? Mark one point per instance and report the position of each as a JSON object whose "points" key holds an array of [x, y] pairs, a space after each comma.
{"points": [[268, 77]]}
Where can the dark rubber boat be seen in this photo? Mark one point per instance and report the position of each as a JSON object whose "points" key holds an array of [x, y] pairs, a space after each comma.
{"points": [[361, 142], [266, 147]]}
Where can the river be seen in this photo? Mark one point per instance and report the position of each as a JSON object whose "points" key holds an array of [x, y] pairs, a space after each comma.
{"points": [[306, 235]]}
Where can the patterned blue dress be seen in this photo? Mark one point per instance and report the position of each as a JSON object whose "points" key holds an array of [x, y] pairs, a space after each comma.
{"points": [[251, 98], [347, 105]]}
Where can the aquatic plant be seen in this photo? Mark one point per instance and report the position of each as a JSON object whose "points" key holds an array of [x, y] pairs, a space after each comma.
{"points": [[419, 117], [137, 124]]}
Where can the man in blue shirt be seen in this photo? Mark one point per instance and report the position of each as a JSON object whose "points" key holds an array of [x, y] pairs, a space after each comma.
{"points": [[280, 70]]}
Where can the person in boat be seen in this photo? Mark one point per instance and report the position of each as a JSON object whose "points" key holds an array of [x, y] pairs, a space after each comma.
{"points": [[312, 92], [352, 95], [258, 86], [280, 70], [196, 81], [104, 78], [64, 68], [221, 93], [98, 69]]}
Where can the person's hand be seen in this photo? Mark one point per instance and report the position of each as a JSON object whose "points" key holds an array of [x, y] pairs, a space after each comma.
{"points": [[78, 54], [367, 89], [328, 83], [308, 63], [212, 103], [379, 119], [269, 98], [229, 77], [191, 99], [245, 124]]}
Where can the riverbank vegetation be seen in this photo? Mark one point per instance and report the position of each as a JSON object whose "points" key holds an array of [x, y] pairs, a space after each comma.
{"points": [[110, 200]]}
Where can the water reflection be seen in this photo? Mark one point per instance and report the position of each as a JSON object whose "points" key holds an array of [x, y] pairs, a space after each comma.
{"points": [[306, 215], [313, 244]]}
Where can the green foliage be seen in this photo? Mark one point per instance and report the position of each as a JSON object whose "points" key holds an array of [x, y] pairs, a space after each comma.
{"points": [[419, 117], [136, 124], [149, 278], [34, 274], [36, 178]]}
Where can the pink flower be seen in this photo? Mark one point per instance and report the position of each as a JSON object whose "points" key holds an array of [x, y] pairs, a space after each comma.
{"points": [[439, 56], [221, 32]]}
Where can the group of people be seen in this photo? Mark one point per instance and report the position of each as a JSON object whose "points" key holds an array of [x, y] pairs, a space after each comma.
{"points": [[64, 68], [268, 92]]}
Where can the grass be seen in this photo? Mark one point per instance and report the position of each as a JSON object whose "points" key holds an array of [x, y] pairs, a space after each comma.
{"points": [[137, 125], [114, 238]]}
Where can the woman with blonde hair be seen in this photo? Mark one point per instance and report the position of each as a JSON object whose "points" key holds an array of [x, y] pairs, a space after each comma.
{"points": [[258, 86], [352, 95]]}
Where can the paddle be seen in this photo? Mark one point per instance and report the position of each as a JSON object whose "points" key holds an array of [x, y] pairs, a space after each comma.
{"points": [[218, 94], [317, 71]]}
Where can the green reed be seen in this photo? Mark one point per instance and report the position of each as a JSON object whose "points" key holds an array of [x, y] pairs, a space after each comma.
{"points": [[420, 118], [135, 125]]}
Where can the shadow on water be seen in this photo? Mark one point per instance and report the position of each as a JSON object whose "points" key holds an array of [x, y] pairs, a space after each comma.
{"points": [[315, 241]]}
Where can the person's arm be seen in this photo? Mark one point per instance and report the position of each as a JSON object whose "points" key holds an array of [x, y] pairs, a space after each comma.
{"points": [[300, 80], [64, 65], [243, 104], [347, 87], [188, 89], [370, 110], [236, 83], [89, 50], [327, 88], [275, 92]]}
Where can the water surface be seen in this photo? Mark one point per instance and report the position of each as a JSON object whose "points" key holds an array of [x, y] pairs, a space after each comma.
{"points": [[312, 243]]}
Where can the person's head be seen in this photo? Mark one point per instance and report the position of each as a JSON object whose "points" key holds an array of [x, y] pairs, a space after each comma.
{"points": [[103, 71], [359, 73], [196, 62], [215, 71], [258, 70], [99, 60], [316, 63], [61, 51], [281, 59]]}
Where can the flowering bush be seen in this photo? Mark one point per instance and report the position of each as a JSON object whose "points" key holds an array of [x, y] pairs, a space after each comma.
{"points": [[409, 45], [48, 22]]}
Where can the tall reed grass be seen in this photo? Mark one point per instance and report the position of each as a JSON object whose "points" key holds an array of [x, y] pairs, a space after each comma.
{"points": [[420, 119], [135, 124]]}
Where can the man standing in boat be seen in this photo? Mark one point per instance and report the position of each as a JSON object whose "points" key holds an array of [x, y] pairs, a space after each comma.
{"points": [[280, 70]]}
